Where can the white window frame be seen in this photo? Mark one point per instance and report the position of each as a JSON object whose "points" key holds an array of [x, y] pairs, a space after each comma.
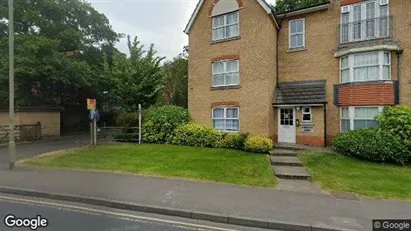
{"points": [[225, 72], [225, 26], [351, 113], [381, 65], [307, 113], [225, 118], [298, 33], [351, 21]]}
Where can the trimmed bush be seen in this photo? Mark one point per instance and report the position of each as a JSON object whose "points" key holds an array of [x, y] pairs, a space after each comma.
{"points": [[192, 134], [234, 140], [258, 144], [127, 120], [159, 123], [373, 145], [397, 120]]}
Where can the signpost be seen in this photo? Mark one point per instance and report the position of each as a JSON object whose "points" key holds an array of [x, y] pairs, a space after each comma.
{"points": [[94, 117], [139, 124]]}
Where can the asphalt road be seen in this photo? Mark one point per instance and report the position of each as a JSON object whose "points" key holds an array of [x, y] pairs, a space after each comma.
{"points": [[63, 216], [25, 150]]}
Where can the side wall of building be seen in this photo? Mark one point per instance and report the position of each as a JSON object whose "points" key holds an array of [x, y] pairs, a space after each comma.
{"points": [[256, 50]]}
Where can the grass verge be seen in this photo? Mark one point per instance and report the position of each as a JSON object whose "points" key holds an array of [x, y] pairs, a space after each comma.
{"points": [[205, 164], [335, 172]]}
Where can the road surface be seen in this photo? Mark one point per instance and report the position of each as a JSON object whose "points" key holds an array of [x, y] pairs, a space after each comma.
{"points": [[64, 216]]}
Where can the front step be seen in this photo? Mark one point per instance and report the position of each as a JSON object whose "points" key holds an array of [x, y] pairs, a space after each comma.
{"points": [[286, 161], [282, 152], [287, 172], [293, 147]]}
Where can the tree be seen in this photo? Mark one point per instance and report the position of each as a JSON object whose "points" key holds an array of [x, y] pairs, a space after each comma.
{"points": [[286, 5], [59, 51], [175, 82], [136, 79]]}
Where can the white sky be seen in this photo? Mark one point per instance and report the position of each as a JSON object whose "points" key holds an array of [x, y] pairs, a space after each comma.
{"points": [[154, 21]]}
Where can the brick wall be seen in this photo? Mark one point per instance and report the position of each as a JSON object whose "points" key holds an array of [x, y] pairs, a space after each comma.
{"points": [[256, 50], [366, 94]]}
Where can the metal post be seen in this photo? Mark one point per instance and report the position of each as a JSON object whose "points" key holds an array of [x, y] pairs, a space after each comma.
{"points": [[91, 133], [139, 123], [12, 144], [94, 132]]}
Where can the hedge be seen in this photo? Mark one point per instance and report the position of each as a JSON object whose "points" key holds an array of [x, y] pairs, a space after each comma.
{"points": [[258, 144], [159, 123], [193, 134], [374, 145]]}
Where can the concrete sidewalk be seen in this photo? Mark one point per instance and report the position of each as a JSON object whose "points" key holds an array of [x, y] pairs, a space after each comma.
{"points": [[216, 202]]}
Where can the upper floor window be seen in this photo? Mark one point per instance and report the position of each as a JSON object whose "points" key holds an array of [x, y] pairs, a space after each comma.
{"points": [[226, 119], [365, 67], [226, 73], [297, 34], [226, 26], [364, 21]]}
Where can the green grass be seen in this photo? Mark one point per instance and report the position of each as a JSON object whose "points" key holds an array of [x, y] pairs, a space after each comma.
{"points": [[338, 173], [204, 164]]}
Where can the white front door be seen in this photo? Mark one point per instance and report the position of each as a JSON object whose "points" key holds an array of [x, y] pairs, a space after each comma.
{"points": [[286, 125]]}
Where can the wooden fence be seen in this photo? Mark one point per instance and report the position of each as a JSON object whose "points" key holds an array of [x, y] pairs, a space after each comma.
{"points": [[22, 132]]}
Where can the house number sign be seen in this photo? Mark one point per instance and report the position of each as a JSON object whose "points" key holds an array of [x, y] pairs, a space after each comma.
{"points": [[307, 128]]}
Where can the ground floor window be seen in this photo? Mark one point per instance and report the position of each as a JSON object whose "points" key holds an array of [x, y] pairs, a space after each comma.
{"points": [[226, 119], [307, 115], [353, 118]]}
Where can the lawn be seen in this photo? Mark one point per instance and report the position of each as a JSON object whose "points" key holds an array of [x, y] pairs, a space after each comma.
{"points": [[335, 172], [204, 164]]}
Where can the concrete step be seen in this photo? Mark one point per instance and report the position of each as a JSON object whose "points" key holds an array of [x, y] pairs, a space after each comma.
{"points": [[282, 152], [288, 172], [294, 147], [286, 161]]}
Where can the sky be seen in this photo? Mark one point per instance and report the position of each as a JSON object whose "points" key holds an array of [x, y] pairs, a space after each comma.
{"points": [[154, 21]]}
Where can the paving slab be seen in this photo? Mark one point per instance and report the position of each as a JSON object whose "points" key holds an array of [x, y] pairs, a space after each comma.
{"points": [[291, 172], [286, 161], [294, 185]]}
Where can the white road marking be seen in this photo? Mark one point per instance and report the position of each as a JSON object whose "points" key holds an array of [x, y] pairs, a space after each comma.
{"points": [[98, 211]]}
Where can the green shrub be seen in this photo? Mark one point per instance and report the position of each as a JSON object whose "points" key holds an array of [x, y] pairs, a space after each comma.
{"points": [[229, 140], [373, 145], [192, 134], [397, 120], [159, 122], [258, 144], [127, 120]]}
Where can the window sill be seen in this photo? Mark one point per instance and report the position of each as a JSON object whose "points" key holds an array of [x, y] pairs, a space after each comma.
{"points": [[225, 40], [225, 87], [307, 123], [296, 49]]}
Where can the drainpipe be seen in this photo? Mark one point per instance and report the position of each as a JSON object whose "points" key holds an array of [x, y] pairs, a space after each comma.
{"points": [[325, 124], [277, 59], [399, 53]]}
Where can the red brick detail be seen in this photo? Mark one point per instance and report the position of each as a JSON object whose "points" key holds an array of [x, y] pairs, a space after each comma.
{"points": [[225, 57], [311, 140], [349, 2], [210, 11], [366, 94], [225, 103], [274, 139]]}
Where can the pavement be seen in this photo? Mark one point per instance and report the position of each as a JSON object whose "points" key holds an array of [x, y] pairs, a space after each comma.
{"points": [[66, 216], [30, 149], [254, 207]]}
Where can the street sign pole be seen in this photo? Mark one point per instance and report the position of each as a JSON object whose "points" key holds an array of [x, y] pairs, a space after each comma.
{"points": [[12, 144], [139, 123]]}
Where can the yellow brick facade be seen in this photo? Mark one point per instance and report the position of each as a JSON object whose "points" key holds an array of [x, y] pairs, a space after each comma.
{"points": [[256, 49]]}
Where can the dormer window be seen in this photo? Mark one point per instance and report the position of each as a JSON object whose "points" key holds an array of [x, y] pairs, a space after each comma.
{"points": [[226, 26]]}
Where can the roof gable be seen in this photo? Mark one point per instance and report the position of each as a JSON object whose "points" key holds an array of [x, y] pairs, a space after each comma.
{"points": [[200, 3]]}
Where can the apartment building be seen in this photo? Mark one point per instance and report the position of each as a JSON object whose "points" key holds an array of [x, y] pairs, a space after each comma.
{"points": [[300, 76]]}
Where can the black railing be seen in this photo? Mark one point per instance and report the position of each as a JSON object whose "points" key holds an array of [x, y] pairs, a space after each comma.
{"points": [[369, 29]]}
